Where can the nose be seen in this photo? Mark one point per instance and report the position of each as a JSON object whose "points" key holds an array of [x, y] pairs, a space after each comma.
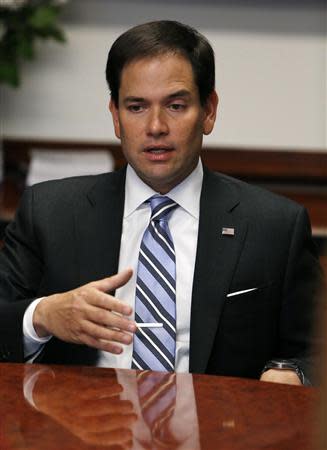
{"points": [[157, 124]]}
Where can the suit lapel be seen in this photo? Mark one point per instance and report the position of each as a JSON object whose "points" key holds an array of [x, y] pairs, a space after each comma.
{"points": [[98, 221], [217, 255]]}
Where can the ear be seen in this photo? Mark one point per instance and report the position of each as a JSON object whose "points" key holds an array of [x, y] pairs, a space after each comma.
{"points": [[115, 117], [210, 112]]}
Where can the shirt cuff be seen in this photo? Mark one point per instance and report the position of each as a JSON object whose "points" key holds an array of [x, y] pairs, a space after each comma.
{"points": [[32, 342]]}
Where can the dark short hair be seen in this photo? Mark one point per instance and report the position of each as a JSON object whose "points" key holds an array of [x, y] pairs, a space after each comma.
{"points": [[157, 38]]}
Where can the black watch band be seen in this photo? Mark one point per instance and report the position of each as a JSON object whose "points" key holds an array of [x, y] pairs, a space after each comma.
{"points": [[286, 364]]}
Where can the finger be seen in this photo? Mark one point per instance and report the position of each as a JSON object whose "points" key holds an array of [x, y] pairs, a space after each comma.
{"points": [[105, 346], [111, 283], [110, 319], [109, 303], [106, 334]]}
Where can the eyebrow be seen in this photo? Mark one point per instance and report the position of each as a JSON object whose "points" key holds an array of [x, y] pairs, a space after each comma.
{"points": [[132, 99], [181, 93]]}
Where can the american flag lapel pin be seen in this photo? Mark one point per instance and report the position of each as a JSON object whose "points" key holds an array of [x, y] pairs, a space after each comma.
{"points": [[228, 231]]}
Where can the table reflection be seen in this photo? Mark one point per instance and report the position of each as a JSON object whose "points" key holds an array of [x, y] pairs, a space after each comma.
{"points": [[69, 408], [118, 409]]}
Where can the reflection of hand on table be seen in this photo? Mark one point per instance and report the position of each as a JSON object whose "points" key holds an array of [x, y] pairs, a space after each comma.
{"points": [[89, 407]]}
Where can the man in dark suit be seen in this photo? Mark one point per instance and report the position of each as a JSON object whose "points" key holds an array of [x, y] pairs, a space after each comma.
{"points": [[246, 270]]}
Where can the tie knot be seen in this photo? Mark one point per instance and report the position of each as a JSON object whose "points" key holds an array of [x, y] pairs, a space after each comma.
{"points": [[161, 207]]}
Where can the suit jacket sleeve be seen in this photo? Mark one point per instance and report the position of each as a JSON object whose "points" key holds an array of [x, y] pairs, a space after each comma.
{"points": [[20, 275], [302, 289]]}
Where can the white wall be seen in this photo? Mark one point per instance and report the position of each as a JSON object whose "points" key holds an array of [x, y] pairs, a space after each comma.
{"points": [[271, 72]]}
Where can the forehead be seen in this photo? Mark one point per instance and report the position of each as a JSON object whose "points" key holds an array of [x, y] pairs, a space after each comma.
{"points": [[157, 73]]}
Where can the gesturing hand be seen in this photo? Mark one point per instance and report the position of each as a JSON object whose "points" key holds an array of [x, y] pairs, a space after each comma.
{"points": [[88, 315]]}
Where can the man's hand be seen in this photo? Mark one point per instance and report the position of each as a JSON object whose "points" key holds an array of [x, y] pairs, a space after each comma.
{"points": [[281, 376], [88, 315]]}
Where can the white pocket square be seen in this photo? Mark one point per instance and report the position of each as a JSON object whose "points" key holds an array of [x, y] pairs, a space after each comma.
{"points": [[232, 294]]}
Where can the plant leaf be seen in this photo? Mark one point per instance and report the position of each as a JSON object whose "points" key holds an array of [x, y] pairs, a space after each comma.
{"points": [[43, 17], [25, 48], [9, 73]]}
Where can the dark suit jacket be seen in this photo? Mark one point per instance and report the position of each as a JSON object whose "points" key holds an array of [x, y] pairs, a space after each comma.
{"points": [[67, 233]]}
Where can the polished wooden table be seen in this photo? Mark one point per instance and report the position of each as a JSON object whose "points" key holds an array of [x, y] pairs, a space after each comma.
{"points": [[61, 408]]}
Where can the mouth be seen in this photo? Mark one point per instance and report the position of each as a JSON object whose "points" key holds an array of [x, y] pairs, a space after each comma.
{"points": [[158, 154], [158, 150]]}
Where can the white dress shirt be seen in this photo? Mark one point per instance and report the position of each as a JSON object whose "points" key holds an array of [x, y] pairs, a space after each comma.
{"points": [[183, 225]]}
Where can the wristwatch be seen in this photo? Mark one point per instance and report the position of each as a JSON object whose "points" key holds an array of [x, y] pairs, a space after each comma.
{"points": [[287, 364]]}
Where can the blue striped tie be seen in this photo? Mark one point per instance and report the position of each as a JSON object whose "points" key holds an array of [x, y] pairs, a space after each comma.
{"points": [[154, 348]]}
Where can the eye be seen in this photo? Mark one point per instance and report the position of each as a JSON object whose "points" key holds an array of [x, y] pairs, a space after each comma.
{"points": [[135, 108], [177, 106]]}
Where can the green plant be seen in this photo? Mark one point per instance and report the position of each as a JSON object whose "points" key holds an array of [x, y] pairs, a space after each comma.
{"points": [[22, 23]]}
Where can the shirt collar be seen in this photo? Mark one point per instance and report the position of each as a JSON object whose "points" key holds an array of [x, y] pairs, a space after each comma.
{"points": [[186, 194]]}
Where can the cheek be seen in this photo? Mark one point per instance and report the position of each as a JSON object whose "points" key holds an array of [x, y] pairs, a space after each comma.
{"points": [[132, 131], [191, 135]]}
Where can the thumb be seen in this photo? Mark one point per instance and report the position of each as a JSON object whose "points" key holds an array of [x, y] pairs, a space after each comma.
{"points": [[111, 283]]}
